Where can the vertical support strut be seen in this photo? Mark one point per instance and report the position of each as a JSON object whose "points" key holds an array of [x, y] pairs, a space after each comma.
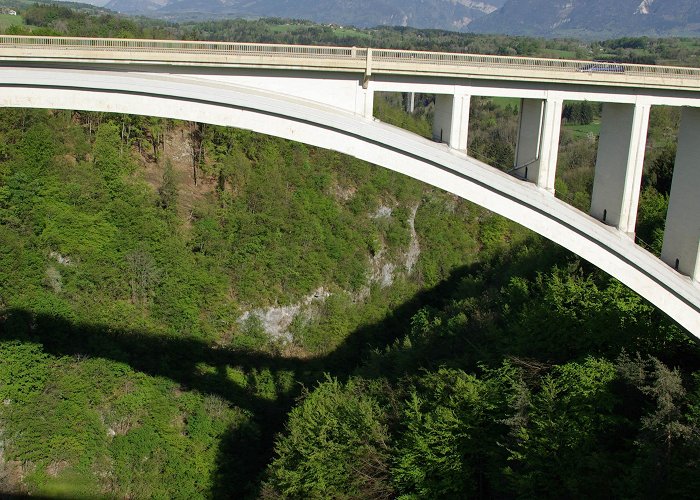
{"points": [[681, 248], [410, 101], [537, 148], [619, 165], [442, 117], [364, 100], [459, 133], [549, 149], [451, 120]]}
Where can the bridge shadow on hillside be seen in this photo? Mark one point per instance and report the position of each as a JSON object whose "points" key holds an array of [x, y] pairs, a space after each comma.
{"points": [[242, 458]]}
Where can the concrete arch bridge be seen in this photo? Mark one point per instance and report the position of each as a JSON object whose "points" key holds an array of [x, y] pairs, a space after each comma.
{"points": [[323, 96]]}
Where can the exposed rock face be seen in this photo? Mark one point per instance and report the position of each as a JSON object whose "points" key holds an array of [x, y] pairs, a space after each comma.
{"points": [[413, 251], [276, 321], [644, 7]]}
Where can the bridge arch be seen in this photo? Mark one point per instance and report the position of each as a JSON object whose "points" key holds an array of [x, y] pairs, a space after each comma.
{"points": [[314, 124]]}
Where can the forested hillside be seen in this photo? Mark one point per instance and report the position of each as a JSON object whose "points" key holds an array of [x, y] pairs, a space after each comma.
{"points": [[190, 311]]}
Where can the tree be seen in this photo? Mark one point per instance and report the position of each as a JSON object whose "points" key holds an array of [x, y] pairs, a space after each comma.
{"points": [[336, 446], [167, 193], [144, 275], [105, 151], [38, 147], [661, 171]]}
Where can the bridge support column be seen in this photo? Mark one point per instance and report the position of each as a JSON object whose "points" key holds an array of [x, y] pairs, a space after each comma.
{"points": [[451, 120], [618, 171], [364, 101], [681, 248], [410, 101], [537, 148]]}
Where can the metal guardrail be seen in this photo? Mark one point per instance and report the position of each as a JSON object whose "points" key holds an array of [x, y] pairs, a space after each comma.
{"points": [[532, 63], [399, 57]]}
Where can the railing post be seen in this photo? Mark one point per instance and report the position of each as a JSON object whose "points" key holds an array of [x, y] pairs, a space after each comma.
{"points": [[619, 165], [681, 248]]}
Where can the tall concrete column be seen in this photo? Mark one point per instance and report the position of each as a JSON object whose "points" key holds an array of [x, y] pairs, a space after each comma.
{"points": [[451, 120], [618, 171], [409, 101], [681, 247], [549, 149], [364, 101], [537, 149]]}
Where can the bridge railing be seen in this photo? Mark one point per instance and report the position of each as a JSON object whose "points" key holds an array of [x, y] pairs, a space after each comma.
{"points": [[421, 59], [179, 46], [565, 65]]}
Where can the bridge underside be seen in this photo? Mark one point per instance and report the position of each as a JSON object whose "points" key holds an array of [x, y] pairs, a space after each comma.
{"points": [[356, 134]]}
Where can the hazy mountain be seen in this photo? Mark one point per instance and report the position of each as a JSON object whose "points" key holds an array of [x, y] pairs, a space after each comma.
{"points": [[593, 18], [579, 18], [446, 14]]}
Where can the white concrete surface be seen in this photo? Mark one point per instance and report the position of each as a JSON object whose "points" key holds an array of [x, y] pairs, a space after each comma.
{"points": [[451, 120], [442, 118], [619, 165], [527, 148], [682, 234]]}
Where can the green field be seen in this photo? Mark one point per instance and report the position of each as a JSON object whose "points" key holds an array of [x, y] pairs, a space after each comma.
{"points": [[502, 102], [559, 54], [6, 21], [584, 130], [339, 32]]}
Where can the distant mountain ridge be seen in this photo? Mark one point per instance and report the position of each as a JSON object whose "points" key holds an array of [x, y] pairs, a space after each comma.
{"points": [[548, 18], [593, 18], [446, 14]]}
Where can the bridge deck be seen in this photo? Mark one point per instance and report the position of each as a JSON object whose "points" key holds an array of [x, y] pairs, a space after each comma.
{"points": [[344, 59]]}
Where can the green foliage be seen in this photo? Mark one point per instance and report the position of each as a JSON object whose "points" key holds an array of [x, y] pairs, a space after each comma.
{"points": [[23, 371], [38, 148], [168, 189], [661, 169], [106, 152], [560, 451], [441, 452], [579, 113], [651, 219], [336, 446]]}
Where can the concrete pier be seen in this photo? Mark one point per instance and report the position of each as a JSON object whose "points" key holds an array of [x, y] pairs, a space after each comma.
{"points": [[619, 165], [537, 148], [451, 120], [681, 248], [409, 99]]}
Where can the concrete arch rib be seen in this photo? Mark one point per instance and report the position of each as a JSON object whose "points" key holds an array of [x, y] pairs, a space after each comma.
{"points": [[375, 142]]}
